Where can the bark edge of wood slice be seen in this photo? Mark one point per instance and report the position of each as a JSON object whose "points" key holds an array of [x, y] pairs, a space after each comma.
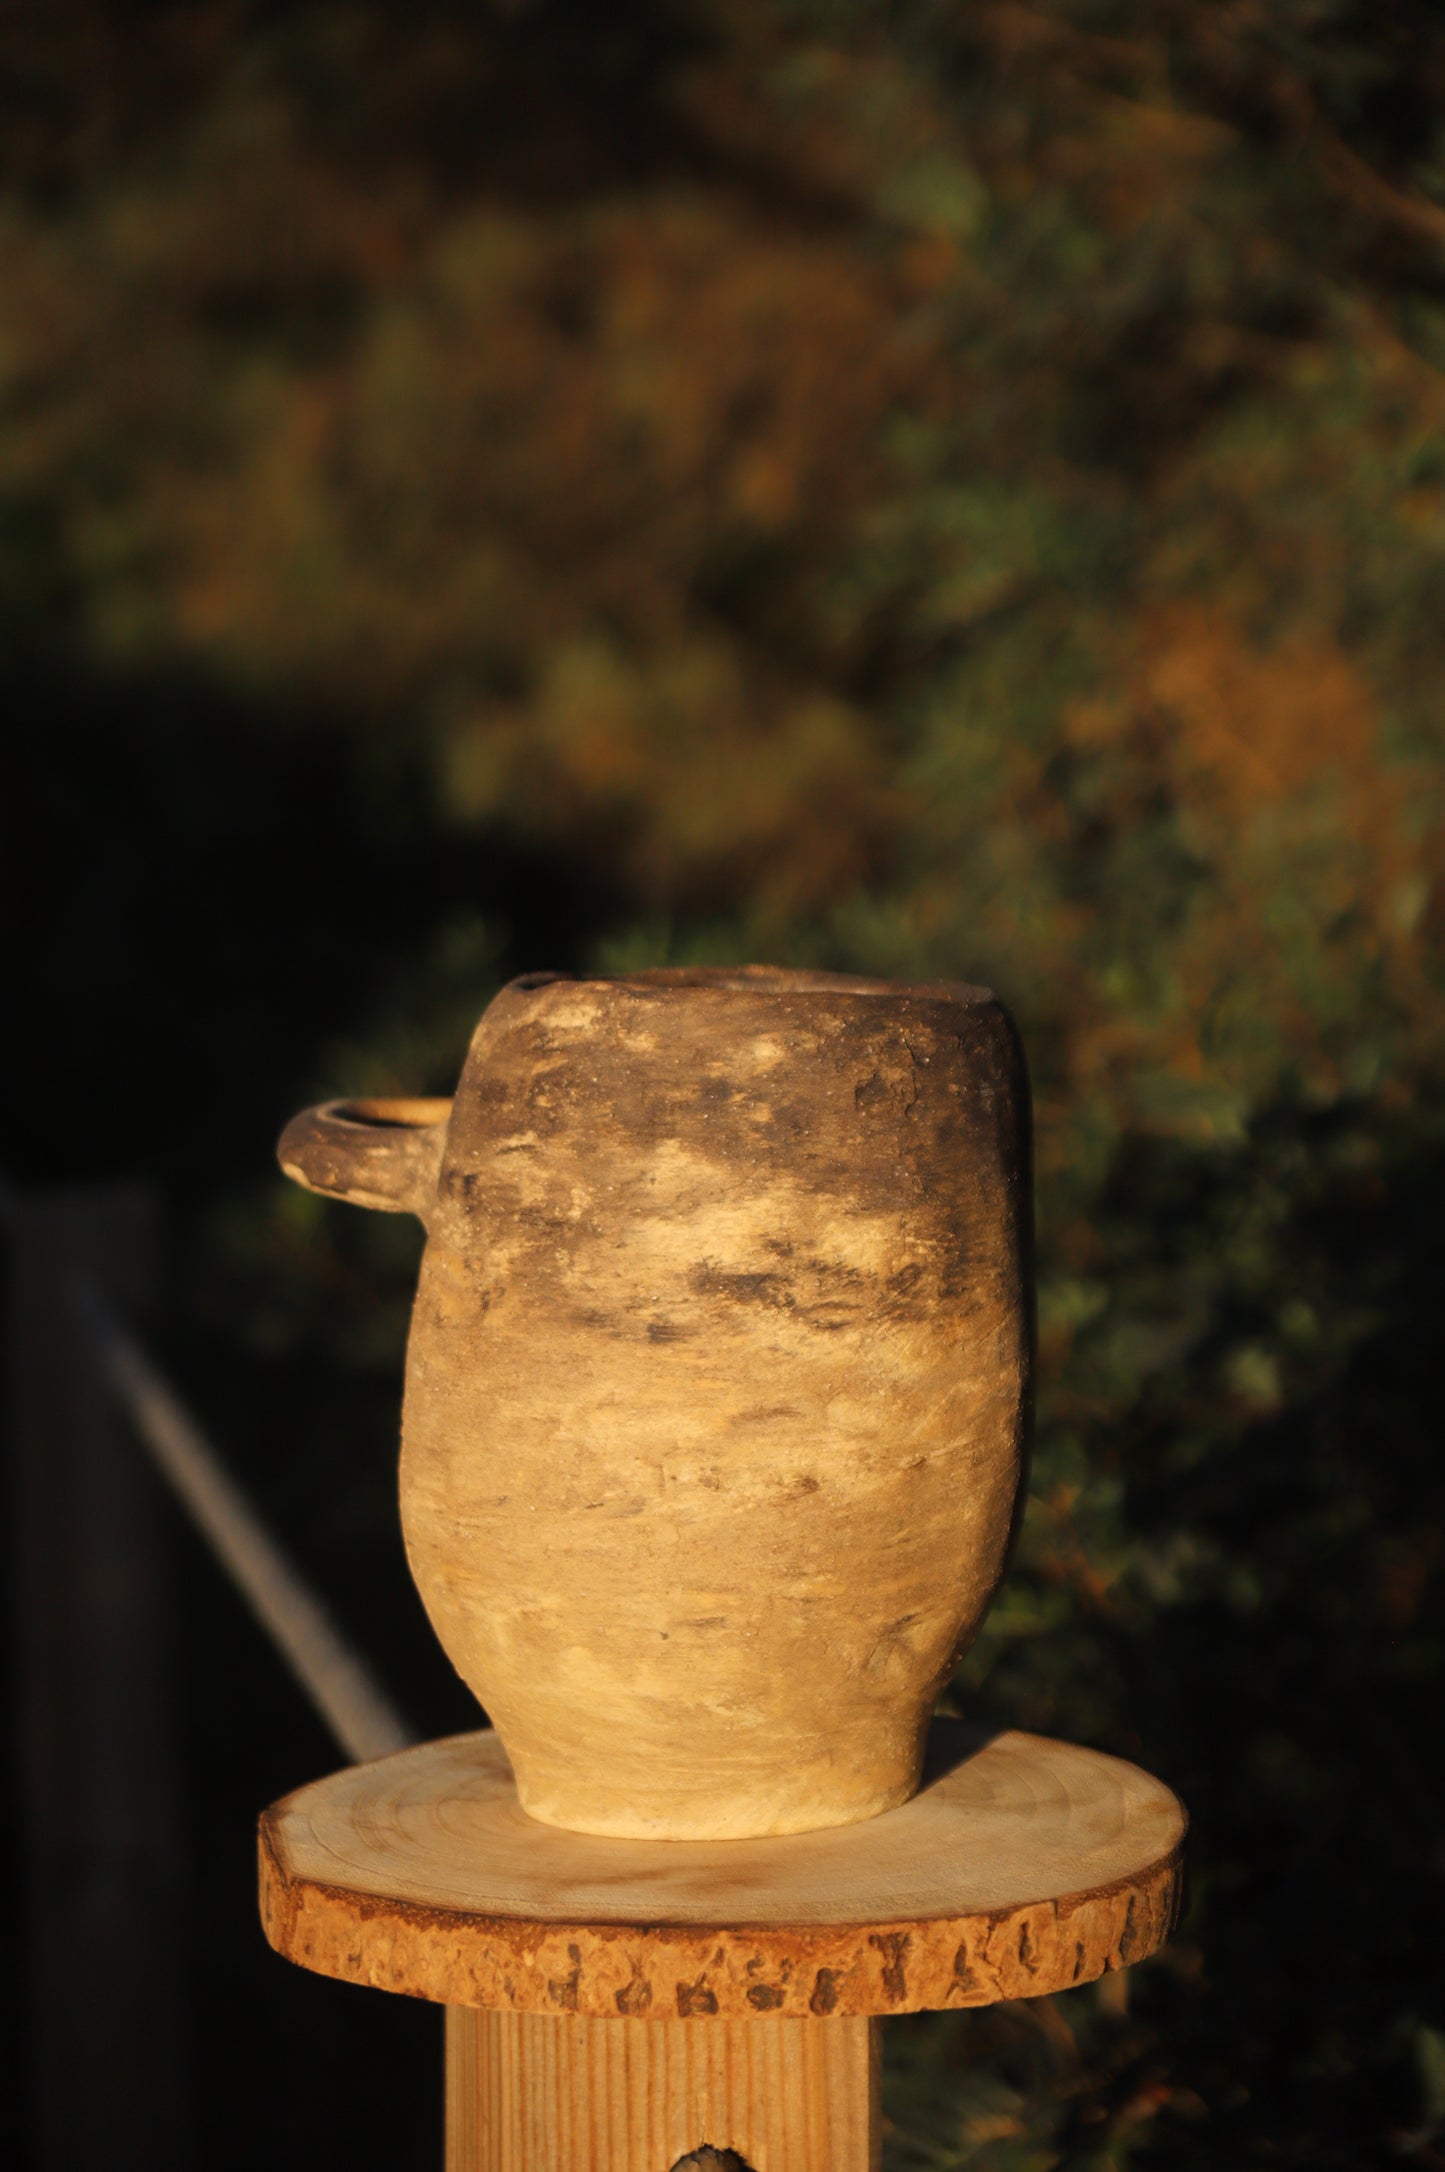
{"points": [[1023, 1866]]}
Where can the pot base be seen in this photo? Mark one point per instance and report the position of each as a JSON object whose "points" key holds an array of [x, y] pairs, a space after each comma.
{"points": [[737, 1817], [752, 1780]]}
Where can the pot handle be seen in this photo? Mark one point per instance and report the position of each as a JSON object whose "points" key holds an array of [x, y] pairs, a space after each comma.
{"points": [[385, 1154]]}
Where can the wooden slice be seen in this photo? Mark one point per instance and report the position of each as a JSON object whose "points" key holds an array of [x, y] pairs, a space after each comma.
{"points": [[1023, 1866]]}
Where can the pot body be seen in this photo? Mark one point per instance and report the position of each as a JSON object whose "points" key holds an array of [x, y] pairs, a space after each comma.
{"points": [[717, 1386]]}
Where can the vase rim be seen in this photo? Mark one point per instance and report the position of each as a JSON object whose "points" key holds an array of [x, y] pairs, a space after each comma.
{"points": [[764, 980]]}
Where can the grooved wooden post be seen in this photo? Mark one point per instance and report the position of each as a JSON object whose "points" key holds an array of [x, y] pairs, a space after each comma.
{"points": [[559, 2092], [98, 1754]]}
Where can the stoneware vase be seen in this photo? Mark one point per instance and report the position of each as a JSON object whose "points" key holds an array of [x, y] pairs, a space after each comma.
{"points": [[718, 1379]]}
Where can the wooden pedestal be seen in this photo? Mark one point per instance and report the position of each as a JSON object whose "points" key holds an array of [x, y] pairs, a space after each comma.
{"points": [[560, 2093], [617, 2005]]}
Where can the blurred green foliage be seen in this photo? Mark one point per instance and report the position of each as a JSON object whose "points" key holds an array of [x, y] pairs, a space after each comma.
{"points": [[927, 490]]}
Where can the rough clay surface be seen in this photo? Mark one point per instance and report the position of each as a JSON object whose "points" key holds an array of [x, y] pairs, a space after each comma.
{"points": [[1024, 1866], [717, 1385]]}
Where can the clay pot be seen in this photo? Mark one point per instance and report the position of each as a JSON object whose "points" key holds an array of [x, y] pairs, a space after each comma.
{"points": [[718, 1376]]}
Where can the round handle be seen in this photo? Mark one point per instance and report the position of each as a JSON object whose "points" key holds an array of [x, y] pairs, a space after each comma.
{"points": [[385, 1154]]}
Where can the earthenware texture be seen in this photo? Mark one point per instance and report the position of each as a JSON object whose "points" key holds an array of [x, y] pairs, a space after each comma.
{"points": [[718, 1379]]}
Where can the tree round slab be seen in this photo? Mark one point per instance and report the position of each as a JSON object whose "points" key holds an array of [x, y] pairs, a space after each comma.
{"points": [[1023, 1866]]}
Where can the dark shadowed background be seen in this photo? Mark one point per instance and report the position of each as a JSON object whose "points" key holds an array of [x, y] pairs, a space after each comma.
{"points": [[924, 490]]}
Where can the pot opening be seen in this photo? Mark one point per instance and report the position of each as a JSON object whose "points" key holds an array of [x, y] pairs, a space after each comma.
{"points": [[765, 980], [756, 979]]}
